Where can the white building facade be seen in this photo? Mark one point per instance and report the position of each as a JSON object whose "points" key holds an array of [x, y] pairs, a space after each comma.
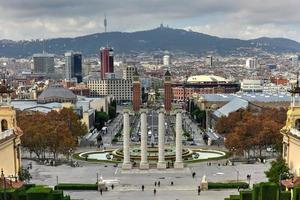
{"points": [[119, 89]]}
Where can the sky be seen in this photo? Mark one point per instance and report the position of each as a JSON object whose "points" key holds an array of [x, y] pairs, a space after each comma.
{"points": [[244, 19]]}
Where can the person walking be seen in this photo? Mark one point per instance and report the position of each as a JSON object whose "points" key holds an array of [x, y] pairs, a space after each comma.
{"points": [[199, 190], [101, 191], [194, 174], [143, 187], [172, 183], [158, 183], [112, 186], [155, 183], [154, 191]]}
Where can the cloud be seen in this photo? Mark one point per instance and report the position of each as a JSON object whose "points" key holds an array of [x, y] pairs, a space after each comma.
{"points": [[29, 19]]}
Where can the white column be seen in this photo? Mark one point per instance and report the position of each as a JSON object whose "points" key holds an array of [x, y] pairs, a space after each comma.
{"points": [[178, 162], [161, 140], [144, 135], [126, 140]]}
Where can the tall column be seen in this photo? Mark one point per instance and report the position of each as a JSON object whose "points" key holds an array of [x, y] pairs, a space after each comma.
{"points": [[178, 162], [161, 140], [144, 135], [126, 140]]}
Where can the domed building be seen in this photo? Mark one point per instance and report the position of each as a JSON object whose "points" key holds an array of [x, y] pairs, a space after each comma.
{"points": [[57, 93], [203, 84]]}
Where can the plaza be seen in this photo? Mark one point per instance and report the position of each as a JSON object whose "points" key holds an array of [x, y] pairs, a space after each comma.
{"points": [[128, 185]]}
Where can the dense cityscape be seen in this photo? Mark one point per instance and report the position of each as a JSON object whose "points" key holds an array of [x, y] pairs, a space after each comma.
{"points": [[201, 117]]}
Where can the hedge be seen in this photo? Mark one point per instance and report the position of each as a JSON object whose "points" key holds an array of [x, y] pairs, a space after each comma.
{"points": [[32, 192], [234, 197], [246, 195], [296, 194], [39, 193], [268, 191], [285, 195], [10, 194], [76, 186], [256, 191], [231, 185], [57, 194]]}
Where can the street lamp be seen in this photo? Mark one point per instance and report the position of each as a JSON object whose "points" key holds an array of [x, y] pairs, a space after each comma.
{"points": [[249, 179]]}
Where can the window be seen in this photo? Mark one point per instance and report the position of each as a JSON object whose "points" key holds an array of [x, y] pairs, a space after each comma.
{"points": [[297, 124], [4, 125]]}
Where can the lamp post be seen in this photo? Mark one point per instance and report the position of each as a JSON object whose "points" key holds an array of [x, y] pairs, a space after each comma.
{"points": [[4, 185], [249, 179]]}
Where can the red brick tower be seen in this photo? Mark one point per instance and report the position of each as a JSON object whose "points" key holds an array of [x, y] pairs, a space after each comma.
{"points": [[168, 92], [107, 61], [136, 96]]}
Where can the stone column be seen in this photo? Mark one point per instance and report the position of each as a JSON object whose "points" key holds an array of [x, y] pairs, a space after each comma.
{"points": [[126, 140], [178, 162], [161, 140], [144, 136]]}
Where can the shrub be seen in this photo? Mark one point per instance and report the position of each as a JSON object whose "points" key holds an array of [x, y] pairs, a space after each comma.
{"points": [[241, 185], [246, 195], [285, 195], [268, 191], [296, 194], [39, 193], [76, 186], [256, 191], [234, 197], [57, 194], [10, 194]]}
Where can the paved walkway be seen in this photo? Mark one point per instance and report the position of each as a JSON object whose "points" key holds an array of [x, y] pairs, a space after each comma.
{"points": [[129, 187]]}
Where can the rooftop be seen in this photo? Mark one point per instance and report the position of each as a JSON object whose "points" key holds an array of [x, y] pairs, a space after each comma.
{"points": [[205, 78], [251, 97]]}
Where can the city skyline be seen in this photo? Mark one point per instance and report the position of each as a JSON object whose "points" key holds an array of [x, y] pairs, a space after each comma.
{"points": [[244, 19]]}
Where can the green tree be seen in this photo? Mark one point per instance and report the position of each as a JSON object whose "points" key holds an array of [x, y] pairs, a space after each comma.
{"points": [[24, 174], [101, 118], [112, 109], [279, 169]]}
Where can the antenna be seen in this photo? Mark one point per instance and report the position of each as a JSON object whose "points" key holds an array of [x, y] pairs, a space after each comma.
{"points": [[105, 23], [43, 38]]}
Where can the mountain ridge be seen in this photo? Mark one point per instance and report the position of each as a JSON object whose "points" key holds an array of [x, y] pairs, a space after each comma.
{"points": [[162, 38]]}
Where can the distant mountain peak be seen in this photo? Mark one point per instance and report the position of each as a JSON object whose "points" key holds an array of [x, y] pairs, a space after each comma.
{"points": [[162, 37]]}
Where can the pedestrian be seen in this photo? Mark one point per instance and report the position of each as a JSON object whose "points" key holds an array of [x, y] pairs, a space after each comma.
{"points": [[199, 190], [158, 183], [101, 191], [238, 188], [112, 186], [172, 183], [143, 187], [194, 174], [155, 183], [154, 191]]}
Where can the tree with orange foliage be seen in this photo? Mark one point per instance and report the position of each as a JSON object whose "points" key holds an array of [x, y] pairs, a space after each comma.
{"points": [[253, 131], [54, 132]]}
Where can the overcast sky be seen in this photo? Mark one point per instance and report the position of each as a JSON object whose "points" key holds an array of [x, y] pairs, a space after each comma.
{"points": [[246, 19]]}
